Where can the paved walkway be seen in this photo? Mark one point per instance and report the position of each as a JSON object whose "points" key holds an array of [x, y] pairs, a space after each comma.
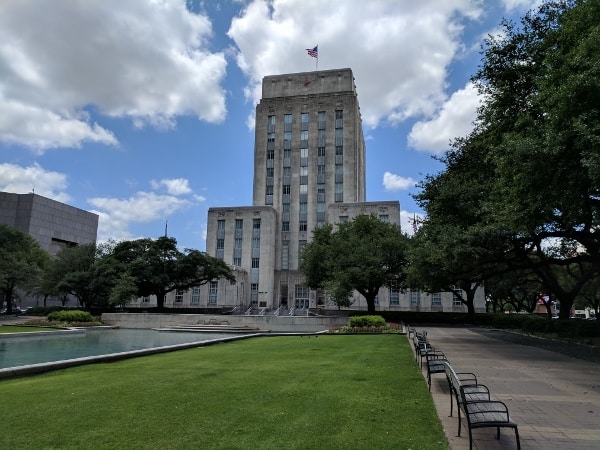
{"points": [[555, 399]]}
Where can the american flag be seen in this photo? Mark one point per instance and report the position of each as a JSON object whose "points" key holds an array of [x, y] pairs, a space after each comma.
{"points": [[314, 52]]}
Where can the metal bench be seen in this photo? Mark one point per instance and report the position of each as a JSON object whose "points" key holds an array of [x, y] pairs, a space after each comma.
{"points": [[477, 406], [435, 364]]}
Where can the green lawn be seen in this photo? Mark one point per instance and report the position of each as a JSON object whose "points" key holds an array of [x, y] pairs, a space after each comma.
{"points": [[326, 392]]}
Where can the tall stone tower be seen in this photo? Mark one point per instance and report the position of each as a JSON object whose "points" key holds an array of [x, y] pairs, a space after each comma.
{"points": [[309, 168]]}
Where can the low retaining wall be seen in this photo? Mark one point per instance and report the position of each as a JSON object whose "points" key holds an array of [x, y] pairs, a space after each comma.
{"points": [[278, 324]]}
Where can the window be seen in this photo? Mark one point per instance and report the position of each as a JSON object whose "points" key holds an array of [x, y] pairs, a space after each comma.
{"points": [[220, 224], [456, 298], [287, 118], [302, 225], [339, 169], [285, 207], [339, 114], [220, 244], [394, 296], [255, 263], [436, 299], [237, 243], [285, 189], [384, 217], [320, 170], [415, 298], [321, 151], [339, 188], [254, 293], [212, 293], [303, 207], [237, 261], [285, 226], [320, 207], [178, 295], [287, 171], [304, 153], [320, 189], [304, 188], [256, 224], [256, 242], [304, 135], [287, 136], [269, 190], [339, 150], [343, 219], [146, 299], [270, 172], [304, 117], [195, 295], [285, 255], [270, 120], [287, 153], [239, 224], [270, 154], [271, 137]]}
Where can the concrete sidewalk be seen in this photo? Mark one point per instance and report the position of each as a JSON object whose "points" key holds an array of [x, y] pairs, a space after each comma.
{"points": [[554, 399]]}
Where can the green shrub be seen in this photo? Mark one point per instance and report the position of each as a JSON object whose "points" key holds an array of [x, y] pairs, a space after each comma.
{"points": [[367, 321], [73, 315]]}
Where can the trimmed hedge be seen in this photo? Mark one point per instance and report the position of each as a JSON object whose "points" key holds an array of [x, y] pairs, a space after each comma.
{"points": [[367, 321], [73, 315]]}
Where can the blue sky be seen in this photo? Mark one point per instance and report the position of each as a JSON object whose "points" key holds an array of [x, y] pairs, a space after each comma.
{"points": [[142, 111]]}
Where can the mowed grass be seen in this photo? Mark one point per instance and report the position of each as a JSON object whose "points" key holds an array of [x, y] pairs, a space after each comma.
{"points": [[292, 392]]}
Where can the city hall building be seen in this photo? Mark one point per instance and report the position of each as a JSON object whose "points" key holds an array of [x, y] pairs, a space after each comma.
{"points": [[309, 169]]}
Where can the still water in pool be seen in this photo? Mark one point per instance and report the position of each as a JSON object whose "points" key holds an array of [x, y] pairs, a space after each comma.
{"points": [[20, 351]]}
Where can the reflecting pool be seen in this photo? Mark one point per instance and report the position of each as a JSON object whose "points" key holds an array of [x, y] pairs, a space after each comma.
{"points": [[21, 351]]}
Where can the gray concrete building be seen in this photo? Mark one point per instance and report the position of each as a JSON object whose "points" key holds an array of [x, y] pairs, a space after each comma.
{"points": [[309, 169], [53, 224]]}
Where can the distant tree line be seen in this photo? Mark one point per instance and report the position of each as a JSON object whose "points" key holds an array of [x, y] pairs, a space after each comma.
{"points": [[113, 273]]}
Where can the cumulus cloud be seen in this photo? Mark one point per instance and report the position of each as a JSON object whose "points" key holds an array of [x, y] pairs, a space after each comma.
{"points": [[399, 50], [454, 119], [118, 214], [392, 182], [174, 186], [512, 5], [22, 180], [147, 61]]}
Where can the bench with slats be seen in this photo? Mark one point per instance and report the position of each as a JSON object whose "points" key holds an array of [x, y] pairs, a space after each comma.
{"points": [[474, 400]]}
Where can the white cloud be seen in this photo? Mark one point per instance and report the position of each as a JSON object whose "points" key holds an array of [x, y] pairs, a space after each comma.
{"points": [[399, 50], [116, 215], [512, 5], [22, 180], [148, 61], [455, 119], [392, 182], [174, 186]]}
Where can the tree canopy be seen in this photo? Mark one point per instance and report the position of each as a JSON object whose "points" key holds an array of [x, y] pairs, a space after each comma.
{"points": [[523, 189], [22, 262], [363, 254]]}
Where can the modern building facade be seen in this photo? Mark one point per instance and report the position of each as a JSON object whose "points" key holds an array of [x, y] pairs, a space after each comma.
{"points": [[309, 169], [53, 224]]}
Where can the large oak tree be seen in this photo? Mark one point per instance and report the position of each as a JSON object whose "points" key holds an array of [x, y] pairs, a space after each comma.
{"points": [[363, 254]]}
